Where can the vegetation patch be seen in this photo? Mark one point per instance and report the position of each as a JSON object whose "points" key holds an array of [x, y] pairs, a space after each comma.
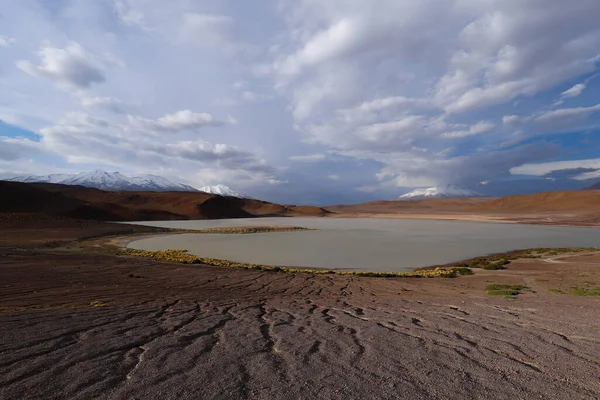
{"points": [[561, 250], [252, 229], [508, 291], [183, 257], [462, 271], [497, 265], [500, 261], [585, 291], [493, 262]]}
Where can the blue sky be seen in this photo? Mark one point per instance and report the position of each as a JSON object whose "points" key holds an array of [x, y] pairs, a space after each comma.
{"points": [[305, 101]]}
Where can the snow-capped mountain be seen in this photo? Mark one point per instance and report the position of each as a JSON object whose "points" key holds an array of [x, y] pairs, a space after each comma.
{"points": [[223, 191], [53, 178], [439, 191], [110, 181]]}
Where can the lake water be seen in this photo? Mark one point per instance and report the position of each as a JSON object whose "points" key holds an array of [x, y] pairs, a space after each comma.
{"points": [[367, 244]]}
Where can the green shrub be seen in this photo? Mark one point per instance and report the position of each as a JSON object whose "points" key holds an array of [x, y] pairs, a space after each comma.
{"points": [[504, 290], [462, 271], [583, 291]]}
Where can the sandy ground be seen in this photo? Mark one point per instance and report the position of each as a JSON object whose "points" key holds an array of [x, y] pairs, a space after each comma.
{"points": [[78, 326]]}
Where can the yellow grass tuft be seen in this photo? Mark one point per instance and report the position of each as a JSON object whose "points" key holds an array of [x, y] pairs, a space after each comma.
{"points": [[183, 257]]}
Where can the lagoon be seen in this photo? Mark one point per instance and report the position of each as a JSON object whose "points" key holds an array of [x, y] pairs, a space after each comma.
{"points": [[363, 244]]}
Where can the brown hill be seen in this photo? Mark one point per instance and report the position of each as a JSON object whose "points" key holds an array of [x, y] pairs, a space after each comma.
{"points": [[579, 202], [565, 201], [309, 210], [88, 203], [595, 186], [411, 206]]}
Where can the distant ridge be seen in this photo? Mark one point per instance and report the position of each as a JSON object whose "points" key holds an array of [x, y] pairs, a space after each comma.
{"points": [[110, 181], [445, 191], [595, 186], [223, 191], [90, 203]]}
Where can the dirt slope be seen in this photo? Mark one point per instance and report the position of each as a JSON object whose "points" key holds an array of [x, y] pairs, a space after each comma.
{"points": [[407, 206], [584, 201], [78, 325], [579, 201], [87, 203]]}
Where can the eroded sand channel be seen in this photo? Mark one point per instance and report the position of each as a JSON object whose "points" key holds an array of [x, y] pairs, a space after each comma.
{"points": [[364, 244]]}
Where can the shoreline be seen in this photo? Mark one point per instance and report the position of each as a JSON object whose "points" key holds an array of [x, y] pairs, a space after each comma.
{"points": [[191, 237], [521, 219]]}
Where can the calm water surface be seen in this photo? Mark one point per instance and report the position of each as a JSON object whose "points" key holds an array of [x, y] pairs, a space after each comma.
{"points": [[364, 244]]}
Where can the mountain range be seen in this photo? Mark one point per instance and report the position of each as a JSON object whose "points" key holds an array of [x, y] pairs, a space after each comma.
{"points": [[223, 190], [444, 191], [117, 181], [85, 203], [595, 186], [110, 181]]}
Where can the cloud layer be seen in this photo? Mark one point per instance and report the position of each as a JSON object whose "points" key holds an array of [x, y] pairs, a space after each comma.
{"points": [[303, 100]]}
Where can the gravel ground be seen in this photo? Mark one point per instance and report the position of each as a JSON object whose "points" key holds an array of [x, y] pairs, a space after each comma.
{"points": [[80, 326]]}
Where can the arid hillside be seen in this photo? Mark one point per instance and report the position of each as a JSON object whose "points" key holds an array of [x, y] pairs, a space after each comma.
{"points": [[549, 208], [87, 203], [575, 201], [565, 201], [408, 206]]}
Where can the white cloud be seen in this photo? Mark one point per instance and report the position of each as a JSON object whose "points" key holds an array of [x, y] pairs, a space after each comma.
{"points": [[6, 41], [129, 14], [574, 91], [565, 118], [178, 121], [541, 169], [503, 53], [71, 66], [15, 148], [255, 97], [408, 93], [476, 129], [568, 112], [84, 139], [205, 29], [510, 119], [387, 102], [588, 175], [386, 83], [106, 103], [309, 158]]}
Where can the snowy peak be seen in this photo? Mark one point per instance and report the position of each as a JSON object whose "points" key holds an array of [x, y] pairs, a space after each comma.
{"points": [[52, 178], [158, 182], [110, 181], [118, 181], [223, 191], [98, 179], [439, 191]]}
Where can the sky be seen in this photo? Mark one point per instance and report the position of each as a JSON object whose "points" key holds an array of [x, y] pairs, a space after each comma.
{"points": [[305, 101]]}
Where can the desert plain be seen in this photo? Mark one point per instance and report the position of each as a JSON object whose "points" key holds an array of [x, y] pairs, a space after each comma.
{"points": [[80, 320]]}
